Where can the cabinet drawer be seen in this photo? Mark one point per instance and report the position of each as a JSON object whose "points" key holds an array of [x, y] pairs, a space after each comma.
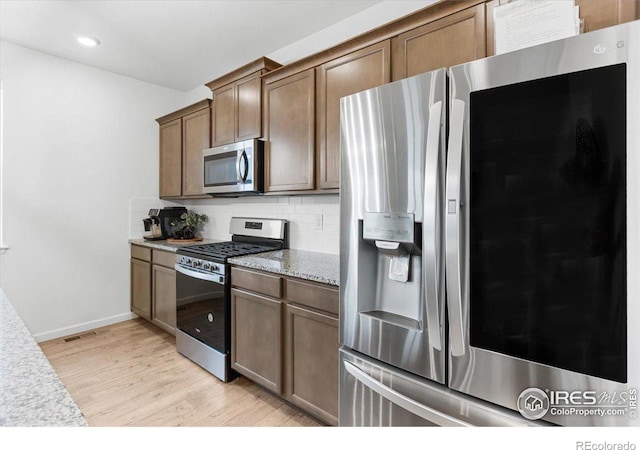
{"points": [[257, 282], [313, 295], [167, 259], [142, 253]]}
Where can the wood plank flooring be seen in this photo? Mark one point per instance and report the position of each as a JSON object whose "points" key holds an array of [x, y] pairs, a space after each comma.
{"points": [[129, 374]]}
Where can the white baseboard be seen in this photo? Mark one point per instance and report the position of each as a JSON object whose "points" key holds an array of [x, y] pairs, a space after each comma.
{"points": [[81, 327]]}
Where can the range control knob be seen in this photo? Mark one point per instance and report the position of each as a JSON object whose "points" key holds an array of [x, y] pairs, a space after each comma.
{"points": [[196, 263], [206, 266]]}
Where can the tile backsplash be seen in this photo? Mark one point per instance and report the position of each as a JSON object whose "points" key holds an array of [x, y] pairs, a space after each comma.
{"points": [[314, 220]]}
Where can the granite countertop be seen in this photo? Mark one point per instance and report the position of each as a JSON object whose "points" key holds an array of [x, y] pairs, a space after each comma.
{"points": [[166, 246], [312, 266], [31, 394]]}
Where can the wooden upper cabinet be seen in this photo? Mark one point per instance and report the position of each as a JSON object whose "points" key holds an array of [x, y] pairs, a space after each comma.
{"points": [[223, 116], [183, 136], [248, 117], [446, 42], [195, 137], [364, 69], [289, 121], [599, 14], [236, 109], [171, 158]]}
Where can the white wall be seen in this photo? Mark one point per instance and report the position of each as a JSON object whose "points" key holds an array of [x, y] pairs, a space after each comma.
{"points": [[78, 143]]}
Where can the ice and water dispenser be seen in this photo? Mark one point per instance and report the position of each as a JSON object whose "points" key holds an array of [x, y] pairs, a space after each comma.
{"points": [[394, 254]]}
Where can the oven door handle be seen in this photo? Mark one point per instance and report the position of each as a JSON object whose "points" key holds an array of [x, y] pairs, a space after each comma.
{"points": [[219, 279]]}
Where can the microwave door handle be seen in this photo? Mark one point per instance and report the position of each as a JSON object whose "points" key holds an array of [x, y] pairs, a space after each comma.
{"points": [[238, 172], [242, 170], [431, 231], [453, 213], [401, 400], [245, 174]]}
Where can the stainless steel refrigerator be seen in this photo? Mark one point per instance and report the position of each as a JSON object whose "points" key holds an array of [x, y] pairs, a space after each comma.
{"points": [[485, 245]]}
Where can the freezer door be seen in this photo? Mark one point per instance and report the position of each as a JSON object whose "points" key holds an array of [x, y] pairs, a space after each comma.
{"points": [[376, 394], [391, 251], [539, 209]]}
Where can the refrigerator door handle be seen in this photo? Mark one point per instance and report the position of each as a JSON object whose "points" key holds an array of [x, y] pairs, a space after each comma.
{"points": [[430, 229], [453, 215], [402, 400]]}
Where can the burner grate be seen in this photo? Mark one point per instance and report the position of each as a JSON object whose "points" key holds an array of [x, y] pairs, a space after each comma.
{"points": [[224, 250]]}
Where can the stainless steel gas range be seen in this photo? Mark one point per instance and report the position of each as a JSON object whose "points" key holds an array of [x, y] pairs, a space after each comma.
{"points": [[203, 289]]}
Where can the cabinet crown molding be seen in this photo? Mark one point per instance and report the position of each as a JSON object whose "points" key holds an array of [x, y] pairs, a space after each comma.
{"points": [[202, 104], [263, 64]]}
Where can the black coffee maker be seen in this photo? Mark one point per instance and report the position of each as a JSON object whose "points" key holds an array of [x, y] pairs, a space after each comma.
{"points": [[159, 222]]}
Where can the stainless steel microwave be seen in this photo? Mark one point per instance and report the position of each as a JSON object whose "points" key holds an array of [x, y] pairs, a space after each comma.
{"points": [[234, 169]]}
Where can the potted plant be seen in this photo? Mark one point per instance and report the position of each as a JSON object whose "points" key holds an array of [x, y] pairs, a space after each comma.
{"points": [[187, 226]]}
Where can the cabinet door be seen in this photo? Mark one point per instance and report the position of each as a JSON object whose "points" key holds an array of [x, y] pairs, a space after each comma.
{"points": [[141, 288], [223, 116], [355, 72], [256, 341], [248, 120], [171, 159], [455, 39], [312, 362], [599, 14], [289, 131], [164, 298], [195, 137]]}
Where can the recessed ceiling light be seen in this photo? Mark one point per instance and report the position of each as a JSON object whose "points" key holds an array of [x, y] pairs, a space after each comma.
{"points": [[88, 41]]}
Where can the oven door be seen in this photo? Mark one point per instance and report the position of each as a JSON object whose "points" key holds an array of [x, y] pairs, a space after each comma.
{"points": [[543, 316], [232, 168], [202, 307]]}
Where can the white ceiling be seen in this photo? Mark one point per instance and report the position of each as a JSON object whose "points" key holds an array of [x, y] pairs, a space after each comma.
{"points": [[177, 44]]}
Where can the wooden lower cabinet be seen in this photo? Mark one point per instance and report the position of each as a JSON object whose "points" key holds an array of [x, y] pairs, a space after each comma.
{"points": [[311, 363], [256, 334], [287, 344], [141, 288], [153, 286], [164, 298]]}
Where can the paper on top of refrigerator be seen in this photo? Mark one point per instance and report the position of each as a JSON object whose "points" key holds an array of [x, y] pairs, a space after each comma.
{"points": [[525, 23]]}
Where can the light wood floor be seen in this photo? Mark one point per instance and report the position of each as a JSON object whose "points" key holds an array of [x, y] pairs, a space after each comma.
{"points": [[129, 374]]}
